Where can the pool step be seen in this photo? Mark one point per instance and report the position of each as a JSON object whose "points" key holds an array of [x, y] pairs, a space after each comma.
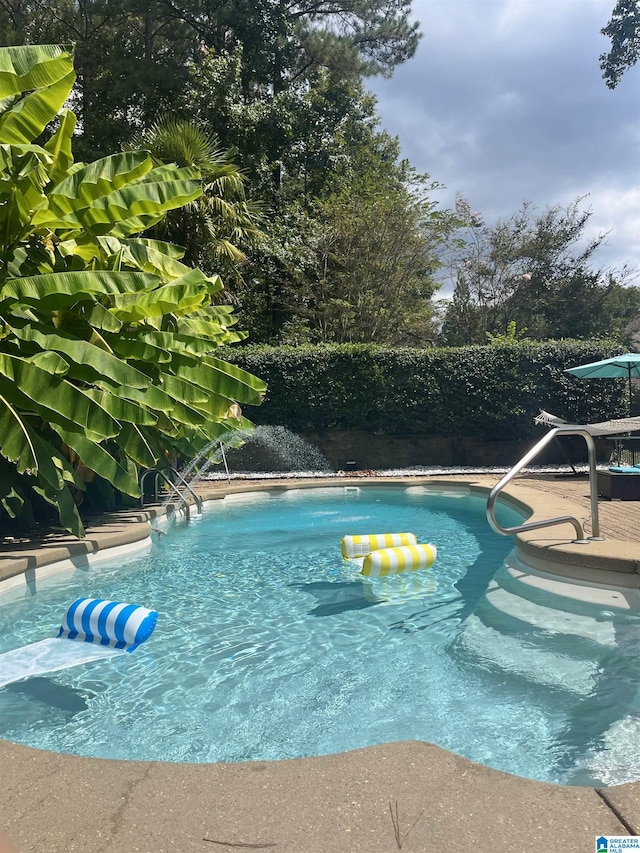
{"points": [[575, 593], [545, 630], [518, 657], [551, 620]]}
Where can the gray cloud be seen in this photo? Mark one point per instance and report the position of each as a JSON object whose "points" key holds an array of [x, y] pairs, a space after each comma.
{"points": [[504, 102]]}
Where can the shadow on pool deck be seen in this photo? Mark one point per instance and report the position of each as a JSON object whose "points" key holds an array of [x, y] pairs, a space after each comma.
{"points": [[411, 796]]}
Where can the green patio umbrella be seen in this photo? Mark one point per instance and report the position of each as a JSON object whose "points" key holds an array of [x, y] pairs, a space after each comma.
{"points": [[619, 367]]}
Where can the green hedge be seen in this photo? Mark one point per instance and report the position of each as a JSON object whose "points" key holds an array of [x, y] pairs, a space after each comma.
{"points": [[490, 392]]}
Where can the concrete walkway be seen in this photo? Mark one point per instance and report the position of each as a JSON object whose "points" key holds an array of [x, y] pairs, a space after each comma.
{"points": [[410, 796], [618, 519]]}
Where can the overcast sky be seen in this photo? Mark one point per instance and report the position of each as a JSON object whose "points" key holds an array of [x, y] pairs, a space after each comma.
{"points": [[505, 102]]}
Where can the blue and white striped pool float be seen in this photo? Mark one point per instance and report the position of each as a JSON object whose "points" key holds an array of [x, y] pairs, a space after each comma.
{"points": [[97, 628], [108, 623]]}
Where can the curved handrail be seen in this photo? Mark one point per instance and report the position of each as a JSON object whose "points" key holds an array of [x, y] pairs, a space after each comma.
{"points": [[535, 525], [173, 489], [143, 477]]}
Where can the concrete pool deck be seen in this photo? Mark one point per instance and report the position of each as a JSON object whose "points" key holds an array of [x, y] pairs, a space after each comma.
{"points": [[411, 796]]}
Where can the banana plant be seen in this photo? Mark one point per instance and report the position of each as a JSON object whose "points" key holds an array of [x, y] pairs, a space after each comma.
{"points": [[107, 339]]}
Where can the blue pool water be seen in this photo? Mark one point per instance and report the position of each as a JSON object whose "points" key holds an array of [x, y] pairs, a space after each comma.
{"points": [[269, 645]]}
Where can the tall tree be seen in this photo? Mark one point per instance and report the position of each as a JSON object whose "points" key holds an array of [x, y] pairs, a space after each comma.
{"points": [[132, 55], [341, 183], [130, 59], [534, 269], [375, 265], [358, 264], [305, 132], [624, 31]]}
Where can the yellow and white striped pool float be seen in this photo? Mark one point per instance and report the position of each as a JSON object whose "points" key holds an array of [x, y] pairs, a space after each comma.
{"points": [[391, 561], [354, 547]]}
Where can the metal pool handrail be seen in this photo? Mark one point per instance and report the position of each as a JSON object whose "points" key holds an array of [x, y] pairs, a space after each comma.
{"points": [[174, 490], [535, 525]]}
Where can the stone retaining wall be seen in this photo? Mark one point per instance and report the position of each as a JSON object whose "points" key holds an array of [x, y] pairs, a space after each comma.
{"points": [[359, 450], [355, 449]]}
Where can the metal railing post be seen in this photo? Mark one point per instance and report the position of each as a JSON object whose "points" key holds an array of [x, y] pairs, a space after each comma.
{"points": [[535, 525], [173, 488], [224, 459]]}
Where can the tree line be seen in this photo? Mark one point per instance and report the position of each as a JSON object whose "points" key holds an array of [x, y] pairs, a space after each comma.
{"points": [[319, 228]]}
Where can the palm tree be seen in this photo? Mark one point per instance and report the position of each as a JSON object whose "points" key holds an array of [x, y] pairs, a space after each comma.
{"points": [[213, 229]]}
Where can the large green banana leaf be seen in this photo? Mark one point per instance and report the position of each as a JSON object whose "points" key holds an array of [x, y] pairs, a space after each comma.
{"points": [[33, 410], [12, 493], [184, 391], [106, 337], [29, 117], [223, 385], [212, 328], [148, 255], [174, 343], [101, 318], [17, 444], [97, 459], [174, 407], [180, 296], [138, 447], [28, 67], [92, 183], [120, 408], [154, 257], [23, 177], [57, 396], [127, 346], [230, 380], [84, 353], [59, 146], [32, 454], [169, 250], [67, 510], [168, 409], [137, 202], [63, 289], [50, 362]]}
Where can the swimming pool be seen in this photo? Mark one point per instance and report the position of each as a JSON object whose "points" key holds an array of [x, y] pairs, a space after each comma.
{"points": [[270, 646]]}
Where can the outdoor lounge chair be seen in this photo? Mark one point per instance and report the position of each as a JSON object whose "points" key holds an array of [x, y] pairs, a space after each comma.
{"points": [[620, 482], [603, 428]]}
